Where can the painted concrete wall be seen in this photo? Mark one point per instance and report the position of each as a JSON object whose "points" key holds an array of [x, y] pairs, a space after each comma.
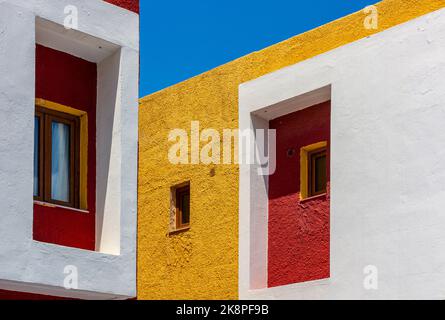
{"points": [[203, 263], [104, 31], [200, 263], [298, 229], [64, 79], [387, 137]]}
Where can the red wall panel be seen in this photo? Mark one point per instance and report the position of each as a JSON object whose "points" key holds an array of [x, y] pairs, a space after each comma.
{"points": [[14, 295], [132, 5], [70, 81], [298, 248]]}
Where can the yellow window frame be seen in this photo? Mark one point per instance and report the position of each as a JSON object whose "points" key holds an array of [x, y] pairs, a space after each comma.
{"points": [[83, 116]]}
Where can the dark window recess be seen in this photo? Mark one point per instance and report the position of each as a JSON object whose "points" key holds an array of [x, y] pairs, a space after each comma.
{"points": [[183, 207], [56, 157], [317, 172]]}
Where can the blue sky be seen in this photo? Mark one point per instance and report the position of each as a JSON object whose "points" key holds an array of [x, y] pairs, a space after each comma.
{"points": [[183, 38]]}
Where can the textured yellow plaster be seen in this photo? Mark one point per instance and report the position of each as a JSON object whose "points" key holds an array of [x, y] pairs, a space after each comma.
{"points": [[202, 263]]}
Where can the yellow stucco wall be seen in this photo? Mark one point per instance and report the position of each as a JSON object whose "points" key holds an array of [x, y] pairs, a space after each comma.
{"points": [[203, 262]]}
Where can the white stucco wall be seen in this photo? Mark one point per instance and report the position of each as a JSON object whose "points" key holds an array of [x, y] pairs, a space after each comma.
{"points": [[109, 36], [387, 164]]}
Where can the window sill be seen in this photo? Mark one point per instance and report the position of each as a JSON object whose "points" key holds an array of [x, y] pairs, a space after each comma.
{"points": [[179, 230], [52, 205], [319, 196]]}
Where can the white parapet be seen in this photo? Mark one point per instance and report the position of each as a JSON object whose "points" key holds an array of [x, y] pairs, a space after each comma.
{"points": [[108, 36]]}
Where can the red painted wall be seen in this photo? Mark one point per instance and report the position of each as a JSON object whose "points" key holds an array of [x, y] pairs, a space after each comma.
{"points": [[13, 295], [298, 231], [132, 5], [70, 81]]}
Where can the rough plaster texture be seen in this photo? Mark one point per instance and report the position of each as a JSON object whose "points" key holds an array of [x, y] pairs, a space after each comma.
{"points": [[298, 231], [36, 267], [97, 19], [203, 263], [200, 263]]}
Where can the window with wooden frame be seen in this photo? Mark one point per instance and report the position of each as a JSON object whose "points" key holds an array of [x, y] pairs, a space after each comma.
{"points": [[56, 157], [317, 172], [182, 207]]}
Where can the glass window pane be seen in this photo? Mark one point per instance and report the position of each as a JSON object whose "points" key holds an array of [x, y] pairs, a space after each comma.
{"points": [[320, 173], [185, 208], [60, 161], [36, 155]]}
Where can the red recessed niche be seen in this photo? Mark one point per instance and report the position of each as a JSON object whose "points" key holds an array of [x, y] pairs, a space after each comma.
{"points": [[70, 81], [298, 248]]}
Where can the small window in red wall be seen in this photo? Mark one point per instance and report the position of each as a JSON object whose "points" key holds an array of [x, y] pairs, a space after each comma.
{"points": [[56, 157], [317, 175]]}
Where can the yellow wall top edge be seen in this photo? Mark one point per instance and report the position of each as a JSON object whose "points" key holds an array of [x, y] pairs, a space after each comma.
{"points": [[338, 32]]}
